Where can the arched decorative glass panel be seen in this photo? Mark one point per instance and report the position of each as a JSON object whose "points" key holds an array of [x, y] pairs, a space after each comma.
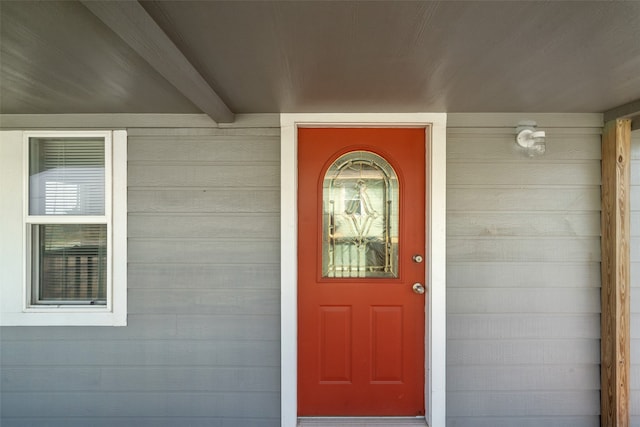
{"points": [[360, 217]]}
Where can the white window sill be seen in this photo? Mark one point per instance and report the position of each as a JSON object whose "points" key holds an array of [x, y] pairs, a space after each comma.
{"points": [[63, 319]]}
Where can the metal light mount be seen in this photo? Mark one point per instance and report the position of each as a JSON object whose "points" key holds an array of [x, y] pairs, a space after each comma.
{"points": [[529, 139]]}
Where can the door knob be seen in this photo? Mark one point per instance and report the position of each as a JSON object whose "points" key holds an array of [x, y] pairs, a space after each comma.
{"points": [[417, 258], [418, 288]]}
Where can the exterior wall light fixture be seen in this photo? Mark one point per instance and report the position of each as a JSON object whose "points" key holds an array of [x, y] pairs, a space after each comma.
{"points": [[530, 140]]}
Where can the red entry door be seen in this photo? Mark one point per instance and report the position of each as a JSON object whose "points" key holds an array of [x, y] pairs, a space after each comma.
{"points": [[361, 253]]}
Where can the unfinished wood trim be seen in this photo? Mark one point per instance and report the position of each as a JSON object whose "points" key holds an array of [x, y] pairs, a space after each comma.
{"points": [[615, 336], [135, 26]]}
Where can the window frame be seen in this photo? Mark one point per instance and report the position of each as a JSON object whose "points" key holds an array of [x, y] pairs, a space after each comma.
{"points": [[19, 309], [43, 219]]}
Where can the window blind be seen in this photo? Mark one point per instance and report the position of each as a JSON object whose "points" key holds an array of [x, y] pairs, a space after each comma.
{"points": [[72, 261], [66, 176]]}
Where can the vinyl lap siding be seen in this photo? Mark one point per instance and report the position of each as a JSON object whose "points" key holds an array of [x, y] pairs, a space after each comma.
{"points": [[523, 277], [634, 407], [202, 345]]}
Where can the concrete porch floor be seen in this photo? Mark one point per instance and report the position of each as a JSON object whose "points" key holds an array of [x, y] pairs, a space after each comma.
{"points": [[361, 422]]}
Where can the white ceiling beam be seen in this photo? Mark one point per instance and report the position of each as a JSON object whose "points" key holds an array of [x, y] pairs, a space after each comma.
{"points": [[137, 28]]}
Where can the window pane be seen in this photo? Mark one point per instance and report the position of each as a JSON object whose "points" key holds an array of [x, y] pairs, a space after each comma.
{"points": [[66, 176], [69, 264], [360, 217]]}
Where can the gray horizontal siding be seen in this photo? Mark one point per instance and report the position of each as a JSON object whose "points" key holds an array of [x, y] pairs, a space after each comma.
{"points": [[204, 200], [144, 403], [522, 300], [128, 421], [510, 378], [238, 147], [542, 224], [200, 175], [533, 353], [524, 326], [634, 407], [193, 348], [555, 421], [244, 301], [202, 250], [202, 344], [513, 404], [204, 276], [490, 274], [498, 144], [561, 198], [236, 225], [151, 379], [512, 248], [523, 279], [502, 173]]}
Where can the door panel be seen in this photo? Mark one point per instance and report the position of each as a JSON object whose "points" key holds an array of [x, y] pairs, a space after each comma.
{"points": [[335, 344], [361, 219], [386, 344]]}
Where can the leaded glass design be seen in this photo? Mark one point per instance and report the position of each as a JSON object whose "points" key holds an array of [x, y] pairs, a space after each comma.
{"points": [[360, 217]]}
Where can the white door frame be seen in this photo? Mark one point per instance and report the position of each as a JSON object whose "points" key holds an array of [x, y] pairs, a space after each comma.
{"points": [[435, 340]]}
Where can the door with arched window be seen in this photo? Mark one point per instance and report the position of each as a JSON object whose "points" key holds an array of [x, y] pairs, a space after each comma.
{"points": [[361, 252]]}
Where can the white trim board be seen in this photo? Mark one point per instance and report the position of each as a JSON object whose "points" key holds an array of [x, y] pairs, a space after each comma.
{"points": [[435, 363], [132, 120]]}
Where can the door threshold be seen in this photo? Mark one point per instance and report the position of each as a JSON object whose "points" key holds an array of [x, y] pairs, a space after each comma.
{"points": [[361, 422]]}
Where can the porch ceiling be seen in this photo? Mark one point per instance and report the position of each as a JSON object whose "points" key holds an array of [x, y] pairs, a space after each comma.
{"points": [[267, 56]]}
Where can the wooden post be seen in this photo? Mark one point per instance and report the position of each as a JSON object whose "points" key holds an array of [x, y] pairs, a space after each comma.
{"points": [[615, 336]]}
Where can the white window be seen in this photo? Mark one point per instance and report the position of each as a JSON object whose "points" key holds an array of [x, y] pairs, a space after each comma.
{"points": [[73, 229]]}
